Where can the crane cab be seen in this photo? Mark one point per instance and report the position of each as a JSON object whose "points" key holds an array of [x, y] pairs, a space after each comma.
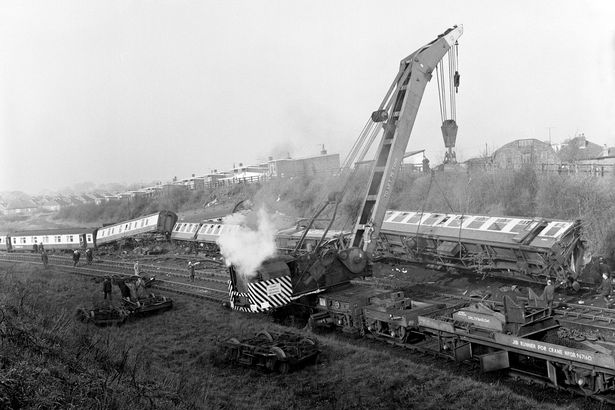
{"points": [[268, 288]]}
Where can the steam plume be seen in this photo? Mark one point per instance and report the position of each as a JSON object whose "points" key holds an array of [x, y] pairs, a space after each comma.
{"points": [[249, 243]]}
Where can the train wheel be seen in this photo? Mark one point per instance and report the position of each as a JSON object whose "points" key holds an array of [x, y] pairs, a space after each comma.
{"points": [[265, 335], [307, 341]]}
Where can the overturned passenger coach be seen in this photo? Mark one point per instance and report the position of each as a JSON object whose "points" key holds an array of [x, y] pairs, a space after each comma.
{"points": [[534, 248]]}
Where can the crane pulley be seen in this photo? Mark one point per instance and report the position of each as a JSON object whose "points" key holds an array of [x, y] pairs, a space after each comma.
{"points": [[448, 87]]}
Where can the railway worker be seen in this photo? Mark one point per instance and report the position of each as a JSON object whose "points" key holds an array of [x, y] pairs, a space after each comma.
{"points": [[137, 269], [603, 268], [191, 270], [89, 256], [605, 289], [45, 258], [107, 288], [548, 295], [140, 288], [76, 256]]}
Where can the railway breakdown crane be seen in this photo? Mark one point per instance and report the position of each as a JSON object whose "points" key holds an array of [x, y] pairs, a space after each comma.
{"points": [[281, 280], [508, 335]]}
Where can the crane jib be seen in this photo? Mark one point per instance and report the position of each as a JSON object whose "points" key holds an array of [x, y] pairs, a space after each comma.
{"points": [[401, 105]]}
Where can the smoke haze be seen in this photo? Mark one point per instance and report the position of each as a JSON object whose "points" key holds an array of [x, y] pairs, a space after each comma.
{"points": [[250, 243]]}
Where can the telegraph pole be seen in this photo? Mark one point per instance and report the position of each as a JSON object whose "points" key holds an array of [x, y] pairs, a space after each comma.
{"points": [[550, 128]]}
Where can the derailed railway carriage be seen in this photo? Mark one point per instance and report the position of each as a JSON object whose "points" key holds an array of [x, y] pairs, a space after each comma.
{"points": [[53, 239], [534, 248], [160, 223], [5, 242]]}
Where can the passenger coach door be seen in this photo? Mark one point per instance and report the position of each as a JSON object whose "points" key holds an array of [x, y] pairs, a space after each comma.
{"points": [[82, 242]]}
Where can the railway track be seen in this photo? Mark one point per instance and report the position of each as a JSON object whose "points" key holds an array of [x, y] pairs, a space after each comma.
{"points": [[587, 316], [216, 292]]}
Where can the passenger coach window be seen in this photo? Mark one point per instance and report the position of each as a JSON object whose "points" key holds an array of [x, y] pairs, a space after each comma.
{"points": [[400, 217], [554, 229], [414, 219], [477, 222], [520, 226], [498, 225], [431, 219], [58, 239], [456, 221]]}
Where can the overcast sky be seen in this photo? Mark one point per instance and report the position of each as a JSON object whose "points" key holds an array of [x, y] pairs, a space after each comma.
{"points": [[137, 91]]}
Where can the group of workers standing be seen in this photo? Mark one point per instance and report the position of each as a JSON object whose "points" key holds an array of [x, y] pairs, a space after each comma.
{"points": [[89, 255]]}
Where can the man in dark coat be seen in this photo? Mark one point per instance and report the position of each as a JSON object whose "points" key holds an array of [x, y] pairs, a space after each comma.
{"points": [[45, 258], [548, 294], [76, 256], [191, 267], [89, 256], [107, 288]]}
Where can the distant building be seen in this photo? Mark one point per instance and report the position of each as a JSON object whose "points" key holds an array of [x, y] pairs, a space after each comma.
{"points": [[319, 165], [524, 152], [580, 149], [49, 204], [171, 189], [193, 183], [21, 207]]}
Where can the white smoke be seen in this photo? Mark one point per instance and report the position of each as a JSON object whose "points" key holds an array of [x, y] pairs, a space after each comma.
{"points": [[249, 243]]}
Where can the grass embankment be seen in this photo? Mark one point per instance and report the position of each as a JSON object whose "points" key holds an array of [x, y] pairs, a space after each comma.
{"points": [[48, 360]]}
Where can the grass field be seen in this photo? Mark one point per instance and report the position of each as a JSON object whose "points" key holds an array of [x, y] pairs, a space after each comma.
{"points": [[171, 361]]}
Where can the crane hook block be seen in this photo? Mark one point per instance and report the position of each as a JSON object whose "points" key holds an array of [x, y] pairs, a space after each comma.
{"points": [[380, 116], [449, 133]]}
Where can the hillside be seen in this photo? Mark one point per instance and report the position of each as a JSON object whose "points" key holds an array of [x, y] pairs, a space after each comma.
{"points": [[498, 192]]}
